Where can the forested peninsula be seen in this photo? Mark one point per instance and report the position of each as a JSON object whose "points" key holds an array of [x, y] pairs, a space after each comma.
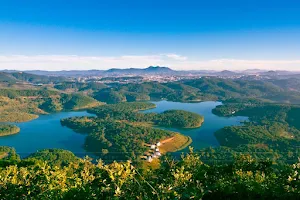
{"points": [[7, 129], [272, 131], [121, 132], [18, 105]]}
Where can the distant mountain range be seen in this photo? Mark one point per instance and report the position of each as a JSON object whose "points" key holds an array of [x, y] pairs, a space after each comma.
{"points": [[138, 71], [153, 70]]}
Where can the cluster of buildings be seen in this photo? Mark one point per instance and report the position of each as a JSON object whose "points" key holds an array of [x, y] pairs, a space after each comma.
{"points": [[125, 79], [155, 153]]}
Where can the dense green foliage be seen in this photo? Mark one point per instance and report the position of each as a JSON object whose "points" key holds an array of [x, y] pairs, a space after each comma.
{"points": [[293, 117], [68, 102], [109, 96], [206, 88], [32, 78], [151, 90], [136, 106], [187, 178], [17, 105], [54, 157], [5, 77], [128, 111], [8, 156], [114, 134], [7, 129], [124, 111], [132, 96], [51, 105], [13, 93], [113, 140], [76, 86], [178, 118], [273, 128]]}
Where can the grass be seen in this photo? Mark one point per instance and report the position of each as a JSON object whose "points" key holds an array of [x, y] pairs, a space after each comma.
{"points": [[177, 143], [90, 105]]}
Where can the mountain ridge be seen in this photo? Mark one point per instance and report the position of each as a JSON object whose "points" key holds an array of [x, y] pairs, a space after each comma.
{"points": [[151, 70]]}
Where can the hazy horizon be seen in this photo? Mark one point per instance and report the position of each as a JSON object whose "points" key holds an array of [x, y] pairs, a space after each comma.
{"points": [[217, 70]]}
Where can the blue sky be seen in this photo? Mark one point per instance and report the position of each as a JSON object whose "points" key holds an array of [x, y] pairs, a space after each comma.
{"points": [[215, 34]]}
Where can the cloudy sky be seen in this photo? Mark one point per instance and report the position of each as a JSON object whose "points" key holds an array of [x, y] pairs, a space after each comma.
{"points": [[183, 35]]}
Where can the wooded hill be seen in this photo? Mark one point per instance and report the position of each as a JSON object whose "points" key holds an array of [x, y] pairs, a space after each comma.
{"points": [[31, 78], [24, 105], [206, 88], [273, 129]]}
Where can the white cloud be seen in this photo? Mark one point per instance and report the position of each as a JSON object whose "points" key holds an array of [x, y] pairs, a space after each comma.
{"points": [[75, 62], [175, 56]]}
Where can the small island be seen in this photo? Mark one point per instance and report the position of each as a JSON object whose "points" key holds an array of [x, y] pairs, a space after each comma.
{"points": [[129, 112], [179, 119], [7, 129]]}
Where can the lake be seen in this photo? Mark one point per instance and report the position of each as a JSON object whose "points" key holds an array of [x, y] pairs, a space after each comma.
{"points": [[46, 131], [204, 136]]}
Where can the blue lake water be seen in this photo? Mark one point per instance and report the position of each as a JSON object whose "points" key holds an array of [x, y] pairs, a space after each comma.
{"points": [[204, 136], [46, 131]]}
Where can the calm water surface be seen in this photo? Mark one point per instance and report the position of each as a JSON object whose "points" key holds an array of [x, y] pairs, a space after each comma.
{"points": [[204, 136], [46, 131]]}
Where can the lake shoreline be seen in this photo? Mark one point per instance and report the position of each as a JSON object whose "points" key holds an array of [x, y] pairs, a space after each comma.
{"points": [[46, 131], [8, 129]]}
